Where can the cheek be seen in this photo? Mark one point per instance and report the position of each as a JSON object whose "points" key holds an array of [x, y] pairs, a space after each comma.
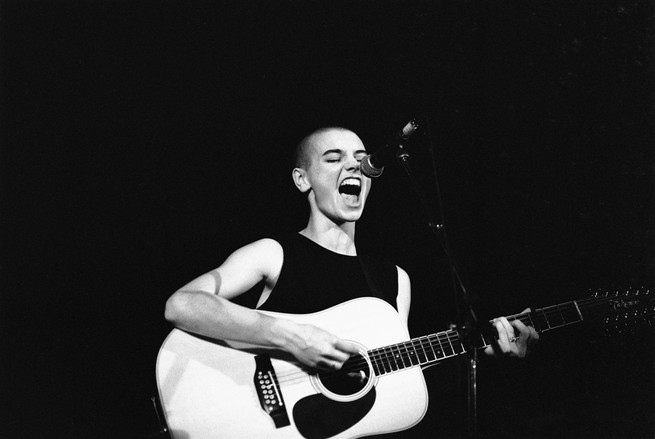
{"points": [[322, 178], [367, 189]]}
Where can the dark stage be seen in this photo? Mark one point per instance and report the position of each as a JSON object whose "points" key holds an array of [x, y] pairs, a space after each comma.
{"points": [[143, 142]]}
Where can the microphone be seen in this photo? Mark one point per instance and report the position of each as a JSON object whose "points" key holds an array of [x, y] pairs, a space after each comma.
{"points": [[373, 164]]}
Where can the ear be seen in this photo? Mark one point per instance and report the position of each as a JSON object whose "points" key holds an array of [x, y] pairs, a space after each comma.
{"points": [[299, 176]]}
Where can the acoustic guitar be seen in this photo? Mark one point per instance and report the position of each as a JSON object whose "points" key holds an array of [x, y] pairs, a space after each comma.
{"points": [[219, 389]]}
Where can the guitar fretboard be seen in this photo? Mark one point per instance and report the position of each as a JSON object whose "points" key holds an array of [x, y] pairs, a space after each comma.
{"points": [[429, 349], [432, 348], [416, 352]]}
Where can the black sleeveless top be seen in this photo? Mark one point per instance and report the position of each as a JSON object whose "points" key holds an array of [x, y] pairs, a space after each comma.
{"points": [[314, 278]]}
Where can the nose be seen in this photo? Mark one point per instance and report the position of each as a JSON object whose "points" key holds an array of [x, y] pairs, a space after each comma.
{"points": [[352, 164]]}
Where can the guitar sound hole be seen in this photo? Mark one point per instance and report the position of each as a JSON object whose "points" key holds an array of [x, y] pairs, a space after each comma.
{"points": [[350, 379]]}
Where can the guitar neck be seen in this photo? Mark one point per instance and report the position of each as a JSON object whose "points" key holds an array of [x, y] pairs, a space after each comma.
{"points": [[429, 349]]}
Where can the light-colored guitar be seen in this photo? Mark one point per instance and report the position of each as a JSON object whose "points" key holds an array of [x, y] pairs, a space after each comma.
{"points": [[218, 389]]}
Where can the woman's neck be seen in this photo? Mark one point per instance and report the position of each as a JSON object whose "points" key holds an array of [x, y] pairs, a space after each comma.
{"points": [[337, 238]]}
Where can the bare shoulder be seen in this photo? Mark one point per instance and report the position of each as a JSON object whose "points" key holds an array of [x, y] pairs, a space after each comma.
{"points": [[268, 245], [263, 257], [263, 252]]}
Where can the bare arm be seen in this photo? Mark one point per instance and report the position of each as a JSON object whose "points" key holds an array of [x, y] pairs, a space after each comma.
{"points": [[404, 297], [203, 307]]}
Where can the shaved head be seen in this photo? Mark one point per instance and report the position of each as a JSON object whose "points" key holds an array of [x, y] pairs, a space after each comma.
{"points": [[301, 157]]}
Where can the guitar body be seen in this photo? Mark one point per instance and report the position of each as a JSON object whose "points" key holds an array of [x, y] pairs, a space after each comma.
{"points": [[209, 388], [218, 389]]}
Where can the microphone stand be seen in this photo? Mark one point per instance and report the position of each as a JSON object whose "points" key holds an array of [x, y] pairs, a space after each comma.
{"points": [[467, 322]]}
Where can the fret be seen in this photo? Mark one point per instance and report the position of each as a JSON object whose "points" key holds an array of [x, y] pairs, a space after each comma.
{"points": [[555, 317], [449, 336], [420, 351], [568, 316], [394, 356], [378, 362], [529, 316], [403, 354], [578, 308], [482, 342], [434, 341], [415, 354], [386, 361], [545, 319], [395, 359], [570, 313], [374, 362], [430, 356], [456, 343], [410, 355], [448, 348]]}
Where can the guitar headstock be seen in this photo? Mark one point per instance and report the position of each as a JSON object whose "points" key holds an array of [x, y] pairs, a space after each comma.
{"points": [[628, 310]]}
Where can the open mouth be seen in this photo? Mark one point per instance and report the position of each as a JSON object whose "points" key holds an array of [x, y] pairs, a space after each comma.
{"points": [[350, 189]]}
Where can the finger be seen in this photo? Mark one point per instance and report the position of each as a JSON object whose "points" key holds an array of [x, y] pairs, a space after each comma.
{"points": [[528, 336], [508, 327], [347, 346], [523, 330], [341, 351], [522, 341], [520, 323], [508, 332], [336, 355], [527, 332], [517, 344], [330, 364], [503, 337]]}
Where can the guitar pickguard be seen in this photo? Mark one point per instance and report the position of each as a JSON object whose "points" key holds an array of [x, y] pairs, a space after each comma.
{"points": [[319, 417]]}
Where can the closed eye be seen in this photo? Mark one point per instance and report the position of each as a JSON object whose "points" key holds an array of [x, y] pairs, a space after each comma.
{"points": [[332, 155]]}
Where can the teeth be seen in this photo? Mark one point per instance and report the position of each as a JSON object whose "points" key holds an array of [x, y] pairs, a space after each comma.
{"points": [[350, 187], [351, 182]]}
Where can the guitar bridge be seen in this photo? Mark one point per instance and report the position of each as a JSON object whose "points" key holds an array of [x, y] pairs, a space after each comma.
{"points": [[269, 392]]}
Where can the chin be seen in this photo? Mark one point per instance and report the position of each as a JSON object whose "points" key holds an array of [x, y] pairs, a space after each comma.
{"points": [[353, 215]]}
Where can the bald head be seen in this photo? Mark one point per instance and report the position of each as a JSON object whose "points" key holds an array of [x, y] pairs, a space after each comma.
{"points": [[301, 158]]}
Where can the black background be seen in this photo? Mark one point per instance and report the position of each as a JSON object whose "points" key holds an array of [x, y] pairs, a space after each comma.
{"points": [[142, 142]]}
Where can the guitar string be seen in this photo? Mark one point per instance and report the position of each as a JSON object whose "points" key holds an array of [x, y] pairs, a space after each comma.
{"points": [[404, 355], [393, 358], [380, 359], [406, 359]]}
